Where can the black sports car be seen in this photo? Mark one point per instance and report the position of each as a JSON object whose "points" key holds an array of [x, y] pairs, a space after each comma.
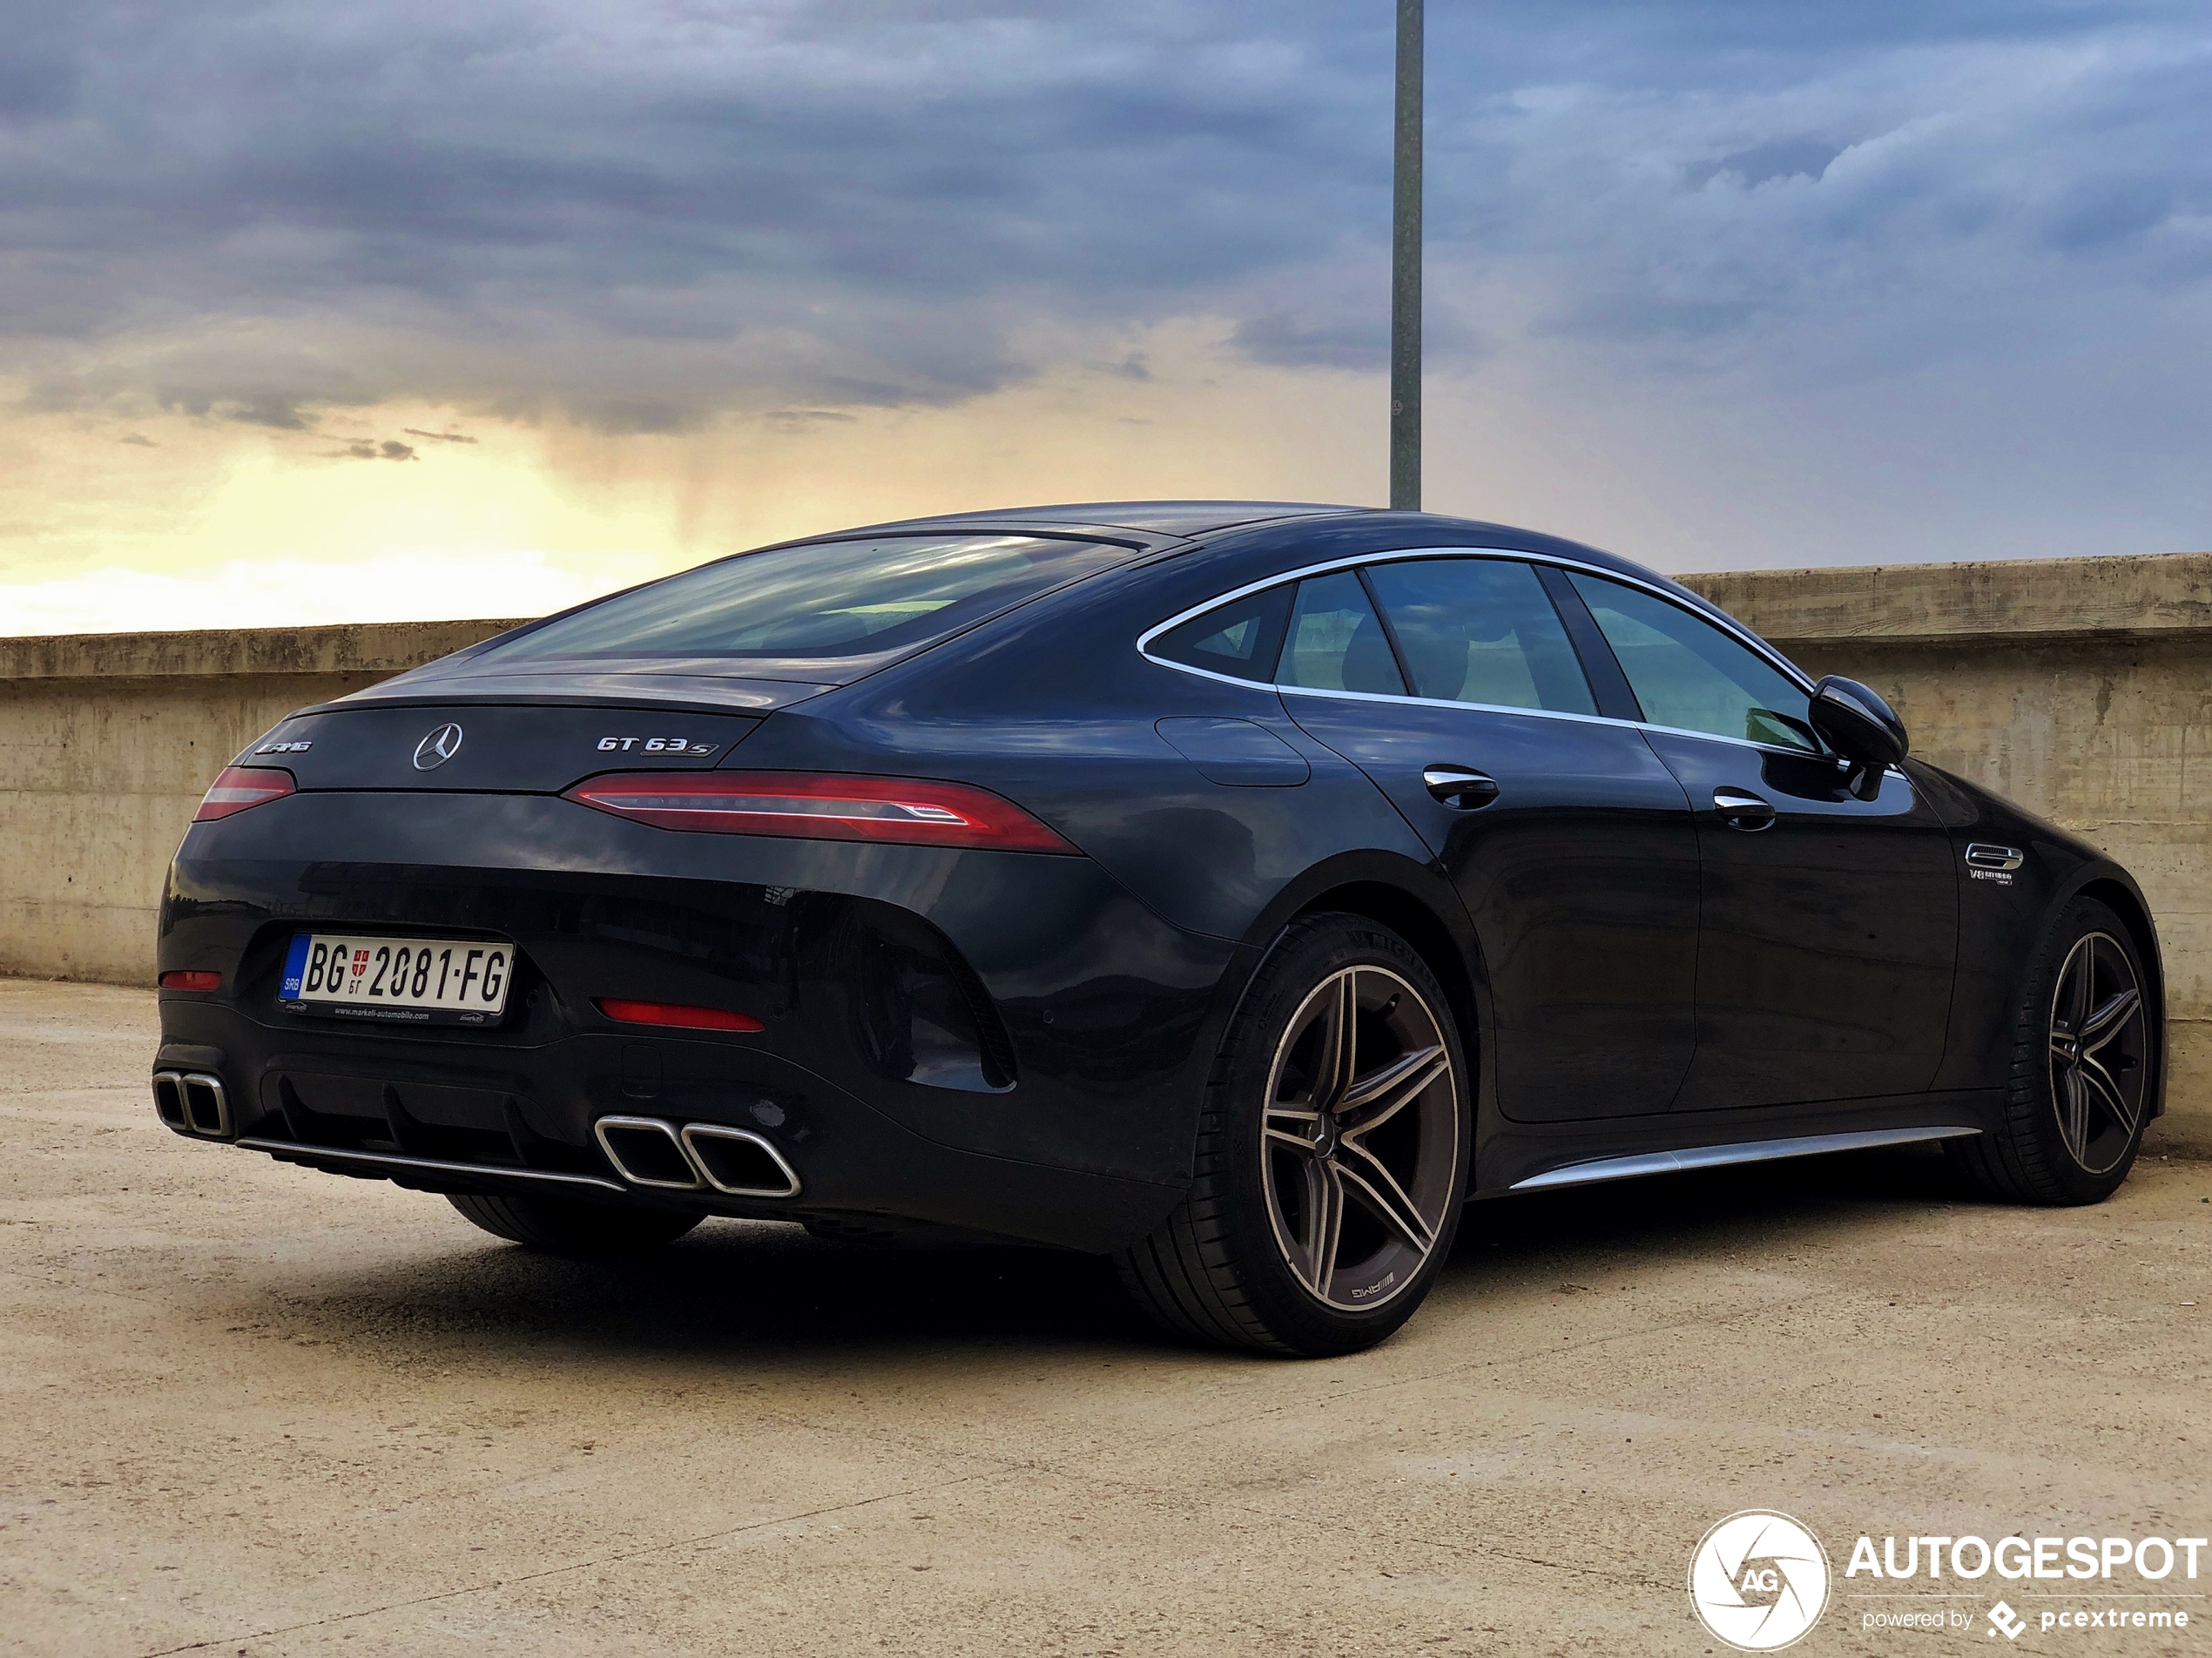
{"points": [[1235, 888]]}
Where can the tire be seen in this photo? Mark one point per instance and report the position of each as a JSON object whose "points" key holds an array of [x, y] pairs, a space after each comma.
{"points": [[2075, 1109], [1249, 1258], [587, 1230]]}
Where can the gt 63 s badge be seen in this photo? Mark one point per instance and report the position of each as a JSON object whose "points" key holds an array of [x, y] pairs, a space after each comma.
{"points": [[655, 745]]}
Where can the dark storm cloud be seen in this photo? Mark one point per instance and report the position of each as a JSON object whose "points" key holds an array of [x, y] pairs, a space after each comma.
{"points": [[642, 214], [858, 204]]}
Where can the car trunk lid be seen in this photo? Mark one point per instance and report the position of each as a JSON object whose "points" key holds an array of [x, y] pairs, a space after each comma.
{"points": [[513, 744]]}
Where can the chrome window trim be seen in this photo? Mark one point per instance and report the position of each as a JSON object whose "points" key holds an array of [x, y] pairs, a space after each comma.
{"points": [[1722, 622]]}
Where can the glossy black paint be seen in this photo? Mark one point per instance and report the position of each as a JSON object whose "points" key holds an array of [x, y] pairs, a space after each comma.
{"points": [[1859, 725], [1580, 877], [1632, 973], [1807, 989]]}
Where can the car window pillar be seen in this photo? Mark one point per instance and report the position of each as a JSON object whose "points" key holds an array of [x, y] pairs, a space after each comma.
{"points": [[1616, 700]]}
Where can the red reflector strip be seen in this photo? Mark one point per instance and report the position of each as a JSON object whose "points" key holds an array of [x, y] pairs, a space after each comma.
{"points": [[675, 1015], [809, 805], [241, 786], [191, 979]]}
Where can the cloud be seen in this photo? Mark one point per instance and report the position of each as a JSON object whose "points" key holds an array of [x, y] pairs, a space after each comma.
{"points": [[646, 215], [438, 437], [1800, 158], [364, 449], [1289, 340], [643, 219]]}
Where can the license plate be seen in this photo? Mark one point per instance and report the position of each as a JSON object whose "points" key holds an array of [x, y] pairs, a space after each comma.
{"points": [[420, 982]]}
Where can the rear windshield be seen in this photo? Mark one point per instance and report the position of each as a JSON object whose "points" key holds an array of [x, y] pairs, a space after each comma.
{"points": [[812, 607]]}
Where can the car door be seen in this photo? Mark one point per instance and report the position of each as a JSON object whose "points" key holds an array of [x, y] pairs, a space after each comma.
{"points": [[1828, 925], [1571, 844]]}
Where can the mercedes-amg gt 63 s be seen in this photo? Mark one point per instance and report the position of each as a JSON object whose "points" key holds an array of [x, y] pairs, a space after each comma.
{"points": [[1235, 889]]}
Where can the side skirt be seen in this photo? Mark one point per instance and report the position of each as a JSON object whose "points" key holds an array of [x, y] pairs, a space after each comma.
{"points": [[1667, 1163]]}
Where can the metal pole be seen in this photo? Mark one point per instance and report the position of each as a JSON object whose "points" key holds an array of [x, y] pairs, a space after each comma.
{"points": [[1405, 268]]}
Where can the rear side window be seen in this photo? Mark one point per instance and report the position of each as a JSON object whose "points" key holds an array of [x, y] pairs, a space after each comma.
{"points": [[1336, 641], [1482, 631], [1689, 674], [1241, 639], [814, 603]]}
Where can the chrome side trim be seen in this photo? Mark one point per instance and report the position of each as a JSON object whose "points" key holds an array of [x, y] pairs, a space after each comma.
{"points": [[391, 1160], [694, 1132], [1667, 1163], [1984, 855], [1718, 618]]}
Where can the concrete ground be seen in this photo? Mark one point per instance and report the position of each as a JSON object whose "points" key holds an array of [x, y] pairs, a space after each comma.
{"points": [[254, 1410]]}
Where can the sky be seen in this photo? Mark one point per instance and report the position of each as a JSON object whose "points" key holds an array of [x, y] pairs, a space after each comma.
{"points": [[315, 313]]}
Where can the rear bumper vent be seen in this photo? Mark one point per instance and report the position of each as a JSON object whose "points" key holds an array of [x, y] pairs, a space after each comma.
{"points": [[737, 1162], [192, 1102]]}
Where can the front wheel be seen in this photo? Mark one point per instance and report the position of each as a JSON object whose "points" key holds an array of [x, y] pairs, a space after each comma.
{"points": [[2085, 1047], [1332, 1154]]}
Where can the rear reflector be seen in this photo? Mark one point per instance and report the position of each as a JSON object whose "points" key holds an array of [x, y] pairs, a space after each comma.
{"points": [[675, 1015], [241, 786], [191, 979], [812, 805]]}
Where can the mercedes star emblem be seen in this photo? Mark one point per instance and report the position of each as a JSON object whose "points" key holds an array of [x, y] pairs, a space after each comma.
{"points": [[438, 748]]}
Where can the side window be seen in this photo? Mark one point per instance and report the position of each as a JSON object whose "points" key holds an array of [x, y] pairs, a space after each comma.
{"points": [[1686, 673], [1336, 642], [1241, 639], [1482, 631]]}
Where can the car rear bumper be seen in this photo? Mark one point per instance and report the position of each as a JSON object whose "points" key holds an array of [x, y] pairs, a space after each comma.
{"points": [[387, 1108], [1068, 1118]]}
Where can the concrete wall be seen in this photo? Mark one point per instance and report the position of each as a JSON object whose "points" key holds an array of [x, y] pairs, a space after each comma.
{"points": [[108, 741], [2081, 688]]}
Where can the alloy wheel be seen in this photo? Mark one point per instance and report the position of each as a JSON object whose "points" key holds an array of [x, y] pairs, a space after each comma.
{"points": [[1361, 1138], [2098, 1069]]}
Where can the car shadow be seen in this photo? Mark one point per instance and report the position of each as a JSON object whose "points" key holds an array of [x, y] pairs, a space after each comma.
{"points": [[755, 1292]]}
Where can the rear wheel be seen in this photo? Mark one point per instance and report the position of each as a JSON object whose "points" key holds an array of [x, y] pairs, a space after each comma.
{"points": [[1331, 1158], [560, 1227], [2085, 1043]]}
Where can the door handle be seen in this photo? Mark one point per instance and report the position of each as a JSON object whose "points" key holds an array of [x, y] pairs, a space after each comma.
{"points": [[1740, 809], [1460, 787]]}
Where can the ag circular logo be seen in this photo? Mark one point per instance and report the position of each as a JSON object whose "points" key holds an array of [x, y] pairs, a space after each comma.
{"points": [[438, 748], [1759, 1580]]}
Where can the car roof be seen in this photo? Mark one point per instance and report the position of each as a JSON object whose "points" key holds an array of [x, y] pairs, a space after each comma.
{"points": [[1176, 518], [1172, 527]]}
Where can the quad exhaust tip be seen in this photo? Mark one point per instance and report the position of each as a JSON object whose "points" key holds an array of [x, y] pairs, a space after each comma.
{"points": [[739, 1162], [192, 1102], [647, 1151]]}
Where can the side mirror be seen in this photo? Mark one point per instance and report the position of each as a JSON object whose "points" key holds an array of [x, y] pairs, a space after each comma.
{"points": [[1861, 727]]}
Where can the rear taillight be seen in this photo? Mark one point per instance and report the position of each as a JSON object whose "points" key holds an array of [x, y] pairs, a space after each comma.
{"points": [[191, 979], [812, 805], [241, 786], [675, 1015]]}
